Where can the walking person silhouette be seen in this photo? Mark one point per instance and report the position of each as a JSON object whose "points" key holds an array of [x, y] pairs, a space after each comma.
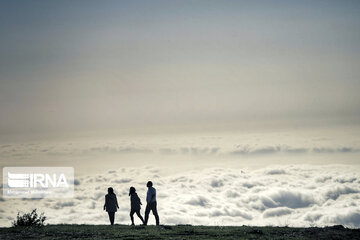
{"points": [[111, 204], [135, 205], [151, 203]]}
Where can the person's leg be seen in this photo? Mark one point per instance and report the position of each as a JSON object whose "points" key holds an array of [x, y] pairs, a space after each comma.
{"points": [[111, 217], [139, 215], [132, 217], [147, 211], [154, 210]]}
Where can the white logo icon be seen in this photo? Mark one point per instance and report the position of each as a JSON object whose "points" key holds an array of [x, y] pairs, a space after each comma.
{"points": [[18, 180]]}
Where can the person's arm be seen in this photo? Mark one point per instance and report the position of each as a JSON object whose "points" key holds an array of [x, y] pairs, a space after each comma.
{"points": [[117, 205], [139, 200], [153, 194], [105, 203], [148, 198]]}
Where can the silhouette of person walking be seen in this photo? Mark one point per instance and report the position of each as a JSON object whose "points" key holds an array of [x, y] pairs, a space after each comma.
{"points": [[151, 203], [111, 204], [135, 205]]}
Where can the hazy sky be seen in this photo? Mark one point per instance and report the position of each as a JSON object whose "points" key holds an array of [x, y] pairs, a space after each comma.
{"points": [[93, 65]]}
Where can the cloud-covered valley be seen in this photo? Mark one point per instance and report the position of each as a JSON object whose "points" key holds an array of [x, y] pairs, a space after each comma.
{"points": [[293, 195], [295, 178]]}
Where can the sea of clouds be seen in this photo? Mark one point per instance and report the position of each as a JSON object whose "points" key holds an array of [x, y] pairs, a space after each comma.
{"points": [[301, 178], [292, 195]]}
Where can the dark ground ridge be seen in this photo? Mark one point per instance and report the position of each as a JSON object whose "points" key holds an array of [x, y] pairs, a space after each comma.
{"points": [[176, 232]]}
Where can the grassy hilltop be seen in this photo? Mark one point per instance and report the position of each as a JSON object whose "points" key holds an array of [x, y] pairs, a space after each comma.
{"points": [[175, 232]]}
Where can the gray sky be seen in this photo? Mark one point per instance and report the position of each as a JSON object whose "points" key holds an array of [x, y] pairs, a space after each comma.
{"points": [[96, 65]]}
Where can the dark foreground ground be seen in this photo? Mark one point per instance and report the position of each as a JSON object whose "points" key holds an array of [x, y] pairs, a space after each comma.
{"points": [[175, 232]]}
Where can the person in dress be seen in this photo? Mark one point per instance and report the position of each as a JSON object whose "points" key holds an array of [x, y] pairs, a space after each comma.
{"points": [[111, 205]]}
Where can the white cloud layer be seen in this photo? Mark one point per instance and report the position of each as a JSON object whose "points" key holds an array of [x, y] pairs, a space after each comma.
{"points": [[294, 195]]}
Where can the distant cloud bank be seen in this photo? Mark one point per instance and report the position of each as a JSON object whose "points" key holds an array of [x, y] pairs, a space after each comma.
{"points": [[26, 151]]}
